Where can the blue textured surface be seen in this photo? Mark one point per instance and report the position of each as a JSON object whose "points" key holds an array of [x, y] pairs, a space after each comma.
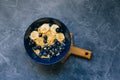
{"points": [[94, 23]]}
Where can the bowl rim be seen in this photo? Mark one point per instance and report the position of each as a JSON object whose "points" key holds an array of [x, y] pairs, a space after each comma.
{"points": [[34, 53]]}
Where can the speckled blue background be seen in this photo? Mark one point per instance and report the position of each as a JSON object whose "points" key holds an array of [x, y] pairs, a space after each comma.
{"points": [[95, 25]]}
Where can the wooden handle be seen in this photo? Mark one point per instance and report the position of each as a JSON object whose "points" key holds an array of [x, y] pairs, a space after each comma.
{"points": [[80, 52]]}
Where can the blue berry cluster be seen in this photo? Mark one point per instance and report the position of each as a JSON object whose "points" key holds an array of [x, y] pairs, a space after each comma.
{"points": [[53, 50]]}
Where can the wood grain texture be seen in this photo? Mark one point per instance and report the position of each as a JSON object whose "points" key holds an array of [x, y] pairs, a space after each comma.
{"points": [[80, 52]]}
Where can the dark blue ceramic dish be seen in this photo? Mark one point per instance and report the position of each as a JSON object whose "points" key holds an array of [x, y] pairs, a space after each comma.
{"points": [[36, 24]]}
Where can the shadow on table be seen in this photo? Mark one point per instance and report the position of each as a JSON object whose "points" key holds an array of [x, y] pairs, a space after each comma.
{"points": [[51, 69]]}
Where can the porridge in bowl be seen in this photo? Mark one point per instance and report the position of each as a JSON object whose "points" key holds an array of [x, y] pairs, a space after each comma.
{"points": [[47, 40]]}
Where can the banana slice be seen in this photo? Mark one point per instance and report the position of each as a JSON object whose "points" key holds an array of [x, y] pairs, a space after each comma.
{"points": [[48, 56], [48, 33], [34, 35], [53, 28], [39, 41], [44, 28], [60, 37], [37, 52], [50, 40]]}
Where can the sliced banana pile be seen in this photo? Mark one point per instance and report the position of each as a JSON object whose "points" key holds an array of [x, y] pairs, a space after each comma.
{"points": [[45, 36]]}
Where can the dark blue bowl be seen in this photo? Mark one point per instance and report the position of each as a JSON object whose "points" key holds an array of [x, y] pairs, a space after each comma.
{"points": [[36, 24]]}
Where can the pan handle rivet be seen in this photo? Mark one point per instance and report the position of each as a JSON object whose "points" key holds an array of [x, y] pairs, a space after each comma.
{"points": [[86, 53]]}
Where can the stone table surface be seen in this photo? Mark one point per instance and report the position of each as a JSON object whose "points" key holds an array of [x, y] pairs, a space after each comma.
{"points": [[95, 25]]}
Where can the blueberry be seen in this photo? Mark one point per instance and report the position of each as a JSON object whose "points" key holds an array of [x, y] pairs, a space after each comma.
{"points": [[40, 54], [53, 49], [58, 30], [41, 50], [53, 53], [40, 35], [58, 43], [31, 43], [64, 41], [47, 50], [50, 53], [54, 45], [57, 47], [45, 41], [55, 40], [45, 37], [56, 51], [63, 48], [60, 49], [44, 53], [50, 47], [39, 47], [31, 40], [62, 45], [35, 47]]}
